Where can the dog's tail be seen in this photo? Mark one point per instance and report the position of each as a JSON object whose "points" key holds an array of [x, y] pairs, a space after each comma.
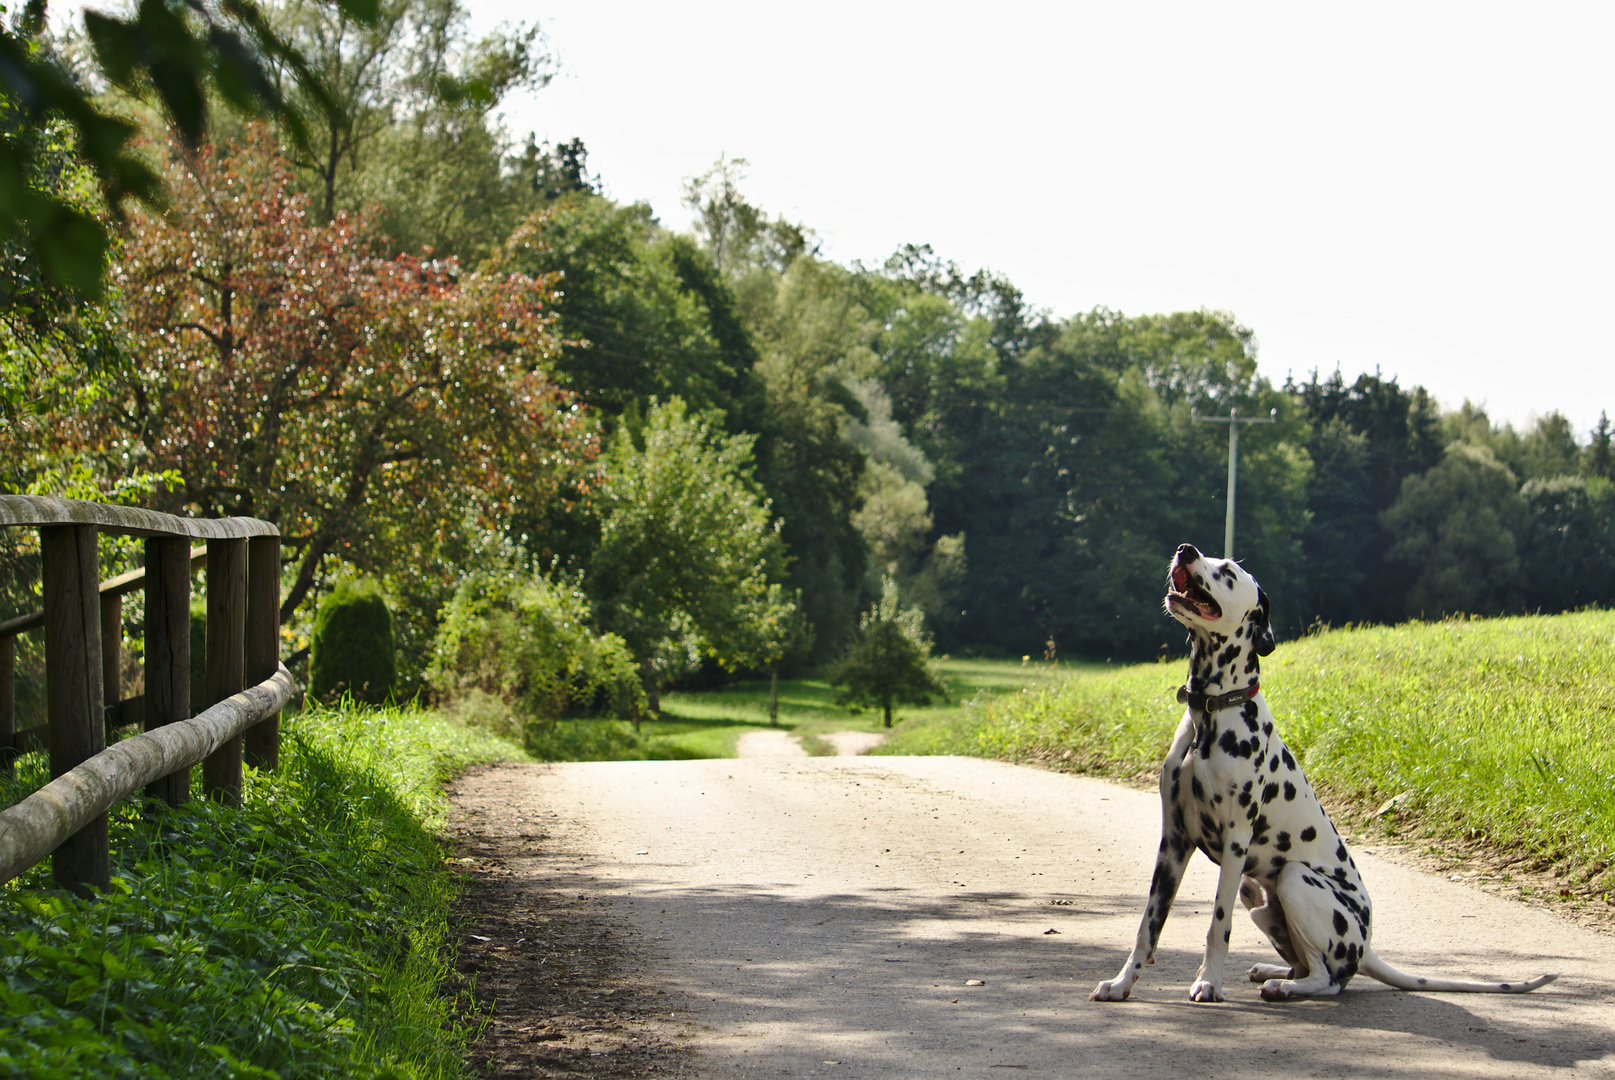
{"points": [[1375, 968]]}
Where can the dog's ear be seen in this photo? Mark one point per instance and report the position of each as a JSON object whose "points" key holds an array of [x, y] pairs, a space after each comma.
{"points": [[1264, 640]]}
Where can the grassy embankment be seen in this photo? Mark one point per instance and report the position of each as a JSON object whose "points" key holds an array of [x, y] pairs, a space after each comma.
{"points": [[305, 934], [1500, 731]]}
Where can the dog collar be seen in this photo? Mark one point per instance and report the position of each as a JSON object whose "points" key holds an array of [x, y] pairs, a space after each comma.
{"points": [[1202, 702]]}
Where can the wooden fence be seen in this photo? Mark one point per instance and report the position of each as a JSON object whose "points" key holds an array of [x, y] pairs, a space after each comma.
{"points": [[244, 687]]}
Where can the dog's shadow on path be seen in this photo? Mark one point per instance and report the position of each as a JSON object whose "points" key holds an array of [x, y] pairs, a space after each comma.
{"points": [[1526, 1028]]}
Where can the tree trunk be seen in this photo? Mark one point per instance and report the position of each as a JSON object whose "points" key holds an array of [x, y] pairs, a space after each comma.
{"points": [[653, 688], [773, 697], [888, 704]]}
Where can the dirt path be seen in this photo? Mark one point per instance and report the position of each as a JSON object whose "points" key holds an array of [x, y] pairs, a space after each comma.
{"points": [[926, 917]]}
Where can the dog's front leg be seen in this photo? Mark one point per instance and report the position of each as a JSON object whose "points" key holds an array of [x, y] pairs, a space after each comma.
{"points": [[1236, 844], [1172, 857]]}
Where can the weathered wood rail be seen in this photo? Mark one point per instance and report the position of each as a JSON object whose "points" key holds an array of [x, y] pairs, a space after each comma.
{"points": [[244, 686]]}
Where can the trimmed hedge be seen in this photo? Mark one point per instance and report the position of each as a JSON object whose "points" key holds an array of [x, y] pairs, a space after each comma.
{"points": [[352, 650]]}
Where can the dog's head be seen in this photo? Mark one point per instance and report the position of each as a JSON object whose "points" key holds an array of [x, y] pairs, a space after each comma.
{"points": [[1218, 595]]}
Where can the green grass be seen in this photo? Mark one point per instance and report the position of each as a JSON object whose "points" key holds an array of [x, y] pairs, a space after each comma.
{"points": [[1499, 731], [708, 724], [303, 935]]}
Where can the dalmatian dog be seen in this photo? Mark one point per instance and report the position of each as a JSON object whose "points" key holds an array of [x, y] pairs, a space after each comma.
{"points": [[1231, 788]]}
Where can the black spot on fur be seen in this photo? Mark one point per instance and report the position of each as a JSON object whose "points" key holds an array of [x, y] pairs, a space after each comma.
{"points": [[1229, 744], [1340, 852], [1289, 762], [1283, 843], [1289, 791], [1308, 834], [1273, 766], [1221, 915], [1340, 923], [1270, 792], [1278, 863], [1250, 864], [1198, 788]]}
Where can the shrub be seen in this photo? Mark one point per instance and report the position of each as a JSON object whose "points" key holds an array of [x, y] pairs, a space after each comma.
{"points": [[889, 662], [517, 650], [353, 645]]}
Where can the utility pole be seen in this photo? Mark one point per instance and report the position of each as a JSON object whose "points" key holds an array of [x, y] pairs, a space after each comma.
{"points": [[1233, 420]]}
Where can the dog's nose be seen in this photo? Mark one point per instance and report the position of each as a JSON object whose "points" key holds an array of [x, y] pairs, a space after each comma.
{"points": [[1187, 553]]}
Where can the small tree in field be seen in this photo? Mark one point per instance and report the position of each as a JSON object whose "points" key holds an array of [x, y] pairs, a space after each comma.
{"points": [[889, 663]]}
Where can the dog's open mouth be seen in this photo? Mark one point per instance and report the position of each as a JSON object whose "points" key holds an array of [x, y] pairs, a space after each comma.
{"points": [[1185, 593]]}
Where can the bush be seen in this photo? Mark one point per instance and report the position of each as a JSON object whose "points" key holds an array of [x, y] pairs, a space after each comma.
{"points": [[518, 651], [353, 645]]}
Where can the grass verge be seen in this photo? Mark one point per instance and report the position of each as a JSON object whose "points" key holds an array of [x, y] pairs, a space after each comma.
{"points": [[304, 934], [1496, 732]]}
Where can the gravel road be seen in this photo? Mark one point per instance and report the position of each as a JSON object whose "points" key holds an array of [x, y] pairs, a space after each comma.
{"points": [[933, 917]]}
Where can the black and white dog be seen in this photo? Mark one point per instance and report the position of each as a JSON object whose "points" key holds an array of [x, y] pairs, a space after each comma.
{"points": [[1231, 788]]}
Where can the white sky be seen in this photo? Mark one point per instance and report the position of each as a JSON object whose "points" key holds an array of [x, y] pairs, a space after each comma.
{"points": [[1419, 187]]}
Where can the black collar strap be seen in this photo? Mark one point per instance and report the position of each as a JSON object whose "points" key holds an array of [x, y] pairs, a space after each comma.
{"points": [[1201, 702]]}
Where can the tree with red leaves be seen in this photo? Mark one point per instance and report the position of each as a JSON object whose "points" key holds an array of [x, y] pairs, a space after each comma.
{"points": [[290, 371]]}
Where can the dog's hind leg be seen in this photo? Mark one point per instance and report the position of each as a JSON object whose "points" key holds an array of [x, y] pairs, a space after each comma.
{"points": [[1268, 915], [1310, 913]]}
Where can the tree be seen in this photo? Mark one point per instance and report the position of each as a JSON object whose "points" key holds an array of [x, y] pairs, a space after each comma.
{"points": [[738, 235], [408, 128], [888, 663], [1457, 528], [1568, 545], [687, 550], [291, 372], [1598, 459], [639, 313]]}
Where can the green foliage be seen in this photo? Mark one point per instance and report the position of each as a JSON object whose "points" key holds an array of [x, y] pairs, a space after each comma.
{"points": [[640, 312], [687, 550], [305, 934], [1567, 551], [889, 662], [352, 648], [186, 56], [518, 647], [1457, 529]]}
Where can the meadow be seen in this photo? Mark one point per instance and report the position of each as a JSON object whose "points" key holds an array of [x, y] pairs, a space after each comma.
{"points": [[708, 724]]}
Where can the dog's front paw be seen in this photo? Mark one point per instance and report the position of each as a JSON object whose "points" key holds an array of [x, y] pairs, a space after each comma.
{"points": [[1205, 990], [1264, 972], [1113, 990]]}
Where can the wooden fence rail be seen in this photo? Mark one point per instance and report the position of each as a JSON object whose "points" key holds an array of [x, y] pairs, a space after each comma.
{"points": [[82, 623]]}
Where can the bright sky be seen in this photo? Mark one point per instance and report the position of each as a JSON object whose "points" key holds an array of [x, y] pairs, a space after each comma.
{"points": [[1425, 188]]}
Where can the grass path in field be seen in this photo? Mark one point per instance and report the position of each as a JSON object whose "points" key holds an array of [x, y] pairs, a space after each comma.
{"points": [[1500, 731], [709, 723]]}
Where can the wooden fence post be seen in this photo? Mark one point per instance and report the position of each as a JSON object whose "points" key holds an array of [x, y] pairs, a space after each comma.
{"points": [[263, 643], [8, 701], [225, 672], [168, 650], [73, 687]]}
